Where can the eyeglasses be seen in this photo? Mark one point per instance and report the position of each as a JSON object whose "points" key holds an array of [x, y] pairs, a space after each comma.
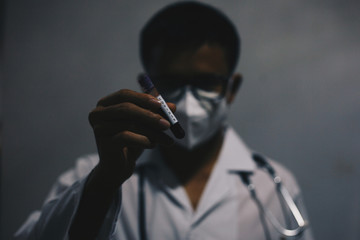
{"points": [[203, 86]]}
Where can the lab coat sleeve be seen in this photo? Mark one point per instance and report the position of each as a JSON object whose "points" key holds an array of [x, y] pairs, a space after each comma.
{"points": [[55, 218]]}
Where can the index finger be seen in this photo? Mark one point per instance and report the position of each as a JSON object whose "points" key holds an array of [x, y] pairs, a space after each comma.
{"points": [[125, 95]]}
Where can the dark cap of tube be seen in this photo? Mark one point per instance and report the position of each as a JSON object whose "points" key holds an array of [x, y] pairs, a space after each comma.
{"points": [[177, 130], [146, 83]]}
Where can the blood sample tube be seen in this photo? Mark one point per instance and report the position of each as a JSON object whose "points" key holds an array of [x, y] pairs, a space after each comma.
{"points": [[149, 88]]}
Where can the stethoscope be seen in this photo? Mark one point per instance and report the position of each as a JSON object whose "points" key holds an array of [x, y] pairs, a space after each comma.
{"points": [[282, 192]]}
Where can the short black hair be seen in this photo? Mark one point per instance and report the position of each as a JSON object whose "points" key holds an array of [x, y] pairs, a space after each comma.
{"points": [[188, 25]]}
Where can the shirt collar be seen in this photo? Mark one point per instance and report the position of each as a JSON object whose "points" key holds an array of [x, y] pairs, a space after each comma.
{"points": [[235, 156]]}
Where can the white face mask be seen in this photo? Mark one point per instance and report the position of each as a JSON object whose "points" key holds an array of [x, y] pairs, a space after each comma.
{"points": [[201, 119]]}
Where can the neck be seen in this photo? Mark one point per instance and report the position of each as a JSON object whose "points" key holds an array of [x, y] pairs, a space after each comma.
{"points": [[188, 164]]}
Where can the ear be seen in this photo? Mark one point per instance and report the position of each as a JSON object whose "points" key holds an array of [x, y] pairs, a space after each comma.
{"points": [[234, 85]]}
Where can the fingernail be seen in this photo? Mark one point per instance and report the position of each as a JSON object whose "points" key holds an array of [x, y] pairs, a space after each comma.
{"points": [[164, 123], [155, 100]]}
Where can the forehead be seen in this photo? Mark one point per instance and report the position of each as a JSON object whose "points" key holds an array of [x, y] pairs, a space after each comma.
{"points": [[205, 59]]}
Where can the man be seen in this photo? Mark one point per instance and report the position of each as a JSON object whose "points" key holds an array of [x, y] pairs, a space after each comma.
{"points": [[191, 188]]}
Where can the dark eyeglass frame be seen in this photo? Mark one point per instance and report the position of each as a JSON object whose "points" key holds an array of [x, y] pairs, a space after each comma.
{"points": [[169, 84]]}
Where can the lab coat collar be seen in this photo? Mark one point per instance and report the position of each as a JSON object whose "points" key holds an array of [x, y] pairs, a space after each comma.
{"points": [[234, 156]]}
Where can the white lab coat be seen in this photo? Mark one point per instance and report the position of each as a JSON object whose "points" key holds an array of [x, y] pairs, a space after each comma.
{"points": [[225, 211]]}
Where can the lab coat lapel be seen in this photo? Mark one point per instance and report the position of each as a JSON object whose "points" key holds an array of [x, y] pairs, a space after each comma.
{"points": [[216, 191], [234, 157], [173, 188], [166, 180]]}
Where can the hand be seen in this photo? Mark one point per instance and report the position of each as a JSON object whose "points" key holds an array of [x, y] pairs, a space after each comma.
{"points": [[125, 123]]}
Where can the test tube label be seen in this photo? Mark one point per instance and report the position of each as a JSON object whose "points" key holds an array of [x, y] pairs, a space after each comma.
{"points": [[167, 110]]}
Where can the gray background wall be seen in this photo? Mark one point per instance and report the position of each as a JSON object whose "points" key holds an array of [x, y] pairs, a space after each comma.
{"points": [[299, 103]]}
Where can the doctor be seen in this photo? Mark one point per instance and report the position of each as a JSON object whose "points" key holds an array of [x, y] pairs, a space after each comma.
{"points": [[180, 189]]}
